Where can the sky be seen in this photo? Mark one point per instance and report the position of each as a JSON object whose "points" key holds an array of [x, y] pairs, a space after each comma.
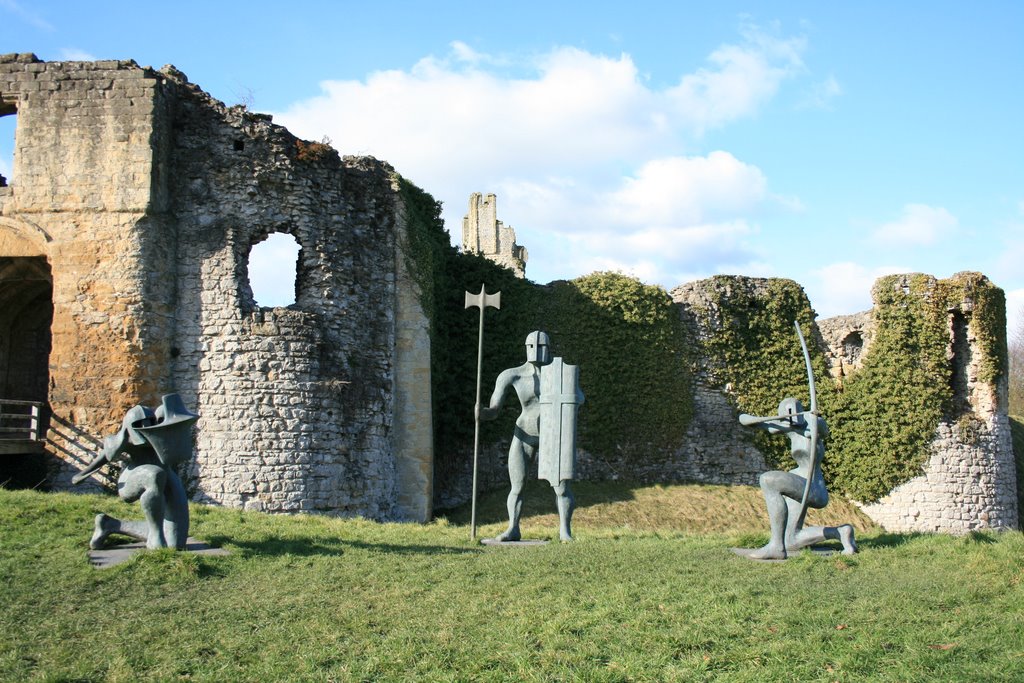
{"points": [[829, 143]]}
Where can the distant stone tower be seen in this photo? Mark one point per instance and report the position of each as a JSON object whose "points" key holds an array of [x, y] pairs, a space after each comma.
{"points": [[484, 234]]}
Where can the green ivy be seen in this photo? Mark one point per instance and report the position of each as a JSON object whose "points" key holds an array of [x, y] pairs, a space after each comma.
{"points": [[882, 418], [754, 350], [625, 336], [887, 412], [635, 357]]}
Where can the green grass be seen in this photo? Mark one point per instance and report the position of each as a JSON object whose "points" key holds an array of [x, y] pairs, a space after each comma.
{"points": [[649, 592]]}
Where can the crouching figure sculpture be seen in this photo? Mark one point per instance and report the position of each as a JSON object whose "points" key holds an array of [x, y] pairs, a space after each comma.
{"points": [[788, 495], [152, 442]]}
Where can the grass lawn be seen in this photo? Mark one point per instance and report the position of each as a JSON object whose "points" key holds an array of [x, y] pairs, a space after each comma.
{"points": [[649, 592]]}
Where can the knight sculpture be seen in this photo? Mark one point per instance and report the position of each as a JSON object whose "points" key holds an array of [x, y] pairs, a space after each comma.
{"points": [[549, 394], [152, 443]]}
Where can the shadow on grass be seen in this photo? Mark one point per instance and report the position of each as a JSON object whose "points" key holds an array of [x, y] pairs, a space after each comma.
{"points": [[539, 499], [886, 540], [319, 546]]}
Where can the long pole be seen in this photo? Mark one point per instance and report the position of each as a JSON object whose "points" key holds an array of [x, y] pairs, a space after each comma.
{"points": [[482, 300]]}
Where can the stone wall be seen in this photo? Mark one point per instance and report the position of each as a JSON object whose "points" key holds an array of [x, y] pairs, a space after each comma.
{"points": [[83, 176], [125, 235], [145, 196], [483, 233], [969, 480]]}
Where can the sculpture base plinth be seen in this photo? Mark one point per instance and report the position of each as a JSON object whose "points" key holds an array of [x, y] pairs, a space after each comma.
{"points": [[818, 550], [106, 558], [527, 543]]}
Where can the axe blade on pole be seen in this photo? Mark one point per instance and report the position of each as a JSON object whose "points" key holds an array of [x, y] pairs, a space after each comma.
{"points": [[481, 300]]}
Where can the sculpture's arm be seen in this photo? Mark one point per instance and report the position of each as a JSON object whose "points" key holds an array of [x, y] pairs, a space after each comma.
{"points": [[497, 397], [111, 446], [771, 423]]}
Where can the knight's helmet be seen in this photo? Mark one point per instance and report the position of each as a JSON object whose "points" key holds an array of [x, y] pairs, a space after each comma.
{"points": [[538, 348], [791, 408], [171, 436]]}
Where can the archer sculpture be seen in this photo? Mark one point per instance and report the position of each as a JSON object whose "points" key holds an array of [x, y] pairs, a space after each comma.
{"points": [[788, 495], [549, 393], [152, 442]]}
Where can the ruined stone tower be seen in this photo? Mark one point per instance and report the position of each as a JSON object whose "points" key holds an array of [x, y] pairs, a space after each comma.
{"points": [[968, 480], [483, 233], [125, 235]]}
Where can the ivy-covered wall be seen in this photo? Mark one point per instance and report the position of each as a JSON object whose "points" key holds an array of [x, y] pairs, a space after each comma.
{"points": [[648, 361], [625, 336], [882, 417], [887, 412], [917, 416]]}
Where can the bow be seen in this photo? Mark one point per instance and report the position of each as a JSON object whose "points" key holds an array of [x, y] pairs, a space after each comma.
{"points": [[812, 423]]}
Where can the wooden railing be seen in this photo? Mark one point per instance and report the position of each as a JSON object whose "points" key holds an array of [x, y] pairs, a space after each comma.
{"points": [[20, 425]]}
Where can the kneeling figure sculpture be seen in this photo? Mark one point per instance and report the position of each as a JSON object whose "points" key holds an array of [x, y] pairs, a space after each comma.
{"points": [[152, 442], [789, 494]]}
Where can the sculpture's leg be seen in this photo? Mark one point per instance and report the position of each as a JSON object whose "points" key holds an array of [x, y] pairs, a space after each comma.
{"points": [[145, 483], [517, 476], [792, 518], [816, 534], [846, 538], [772, 486], [106, 525], [566, 504], [103, 527], [176, 520], [797, 538]]}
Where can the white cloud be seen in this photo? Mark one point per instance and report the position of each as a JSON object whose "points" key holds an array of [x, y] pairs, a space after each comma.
{"points": [[740, 80], [25, 15], [272, 269], [688, 190], [919, 225], [574, 144], [822, 94], [73, 54], [844, 287]]}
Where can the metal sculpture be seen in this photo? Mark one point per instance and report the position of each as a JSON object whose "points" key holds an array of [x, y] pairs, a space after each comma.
{"points": [[152, 442], [788, 495], [549, 395]]}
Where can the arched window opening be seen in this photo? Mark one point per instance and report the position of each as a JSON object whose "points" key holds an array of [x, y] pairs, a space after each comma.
{"points": [[26, 315], [853, 346], [8, 123], [961, 362], [273, 270]]}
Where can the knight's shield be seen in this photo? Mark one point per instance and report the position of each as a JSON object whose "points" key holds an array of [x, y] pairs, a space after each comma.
{"points": [[560, 398]]}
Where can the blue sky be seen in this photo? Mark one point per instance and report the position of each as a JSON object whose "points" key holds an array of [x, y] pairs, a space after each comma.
{"points": [[825, 142]]}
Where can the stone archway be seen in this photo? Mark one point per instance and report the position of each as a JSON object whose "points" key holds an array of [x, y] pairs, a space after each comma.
{"points": [[26, 316]]}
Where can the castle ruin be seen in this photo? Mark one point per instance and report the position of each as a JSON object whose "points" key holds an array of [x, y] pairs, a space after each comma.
{"points": [[125, 234], [484, 234]]}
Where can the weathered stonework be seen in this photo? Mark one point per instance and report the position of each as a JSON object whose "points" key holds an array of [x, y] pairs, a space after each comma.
{"points": [[848, 338], [125, 235], [969, 480], [144, 196], [483, 233]]}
